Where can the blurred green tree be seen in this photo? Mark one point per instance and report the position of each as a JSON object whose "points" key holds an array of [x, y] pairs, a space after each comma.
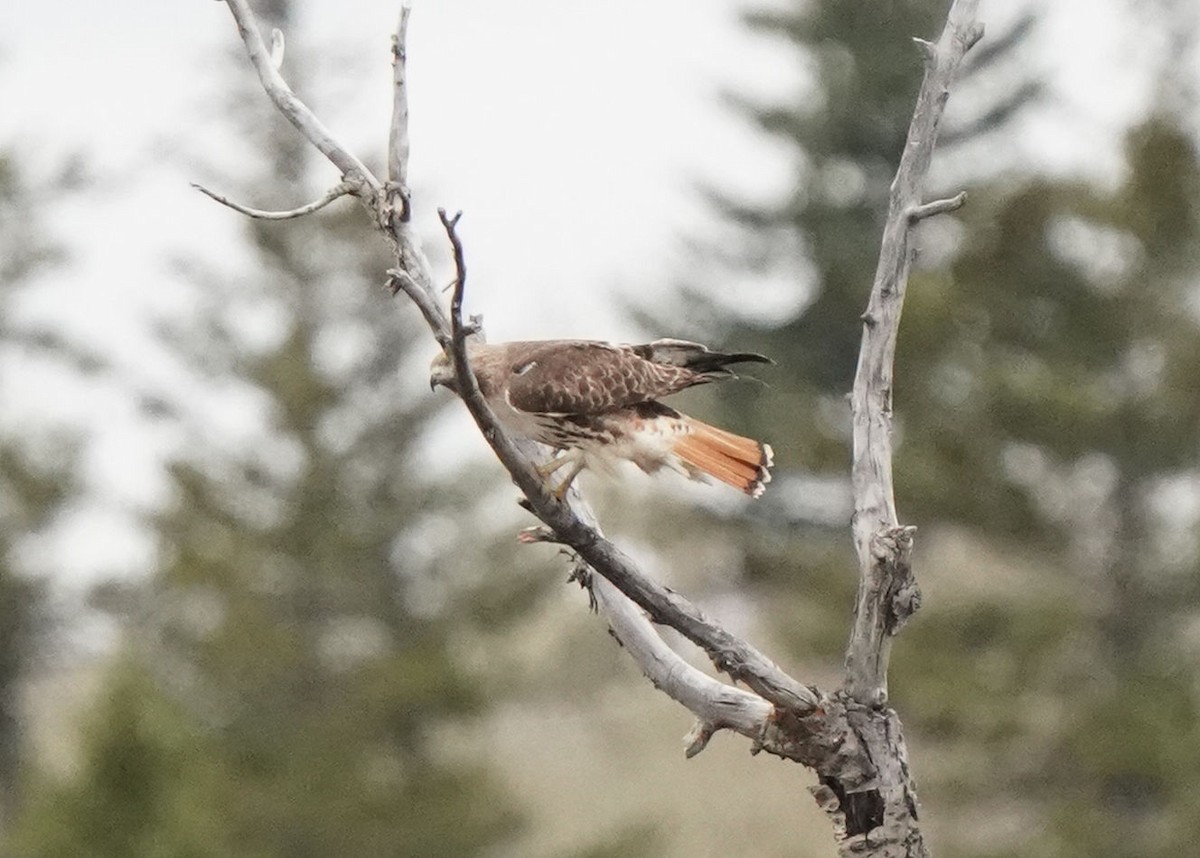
{"points": [[149, 783], [36, 474], [295, 655], [844, 136], [1045, 418], [1077, 346]]}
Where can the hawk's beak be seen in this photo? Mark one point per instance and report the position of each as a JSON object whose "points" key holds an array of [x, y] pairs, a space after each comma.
{"points": [[441, 375]]}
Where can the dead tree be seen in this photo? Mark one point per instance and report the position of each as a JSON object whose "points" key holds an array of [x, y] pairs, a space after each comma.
{"points": [[850, 736]]}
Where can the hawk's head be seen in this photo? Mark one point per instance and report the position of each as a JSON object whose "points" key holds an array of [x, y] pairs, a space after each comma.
{"points": [[441, 372]]}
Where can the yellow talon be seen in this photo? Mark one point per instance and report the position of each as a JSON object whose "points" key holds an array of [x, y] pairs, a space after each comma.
{"points": [[547, 469]]}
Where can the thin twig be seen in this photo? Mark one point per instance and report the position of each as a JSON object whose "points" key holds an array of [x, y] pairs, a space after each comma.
{"points": [[937, 207], [458, 328], [398, 143], [341, 189]]}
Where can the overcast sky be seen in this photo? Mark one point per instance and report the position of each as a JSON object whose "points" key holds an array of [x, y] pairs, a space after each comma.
{"points": [[571, 133]]}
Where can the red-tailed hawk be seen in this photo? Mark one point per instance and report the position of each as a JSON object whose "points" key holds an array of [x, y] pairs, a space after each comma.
{"points": [[597, 404]]}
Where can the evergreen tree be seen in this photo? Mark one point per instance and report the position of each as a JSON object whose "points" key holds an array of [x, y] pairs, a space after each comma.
{"points": [[292, 656], [846, 134], [149, 783], [35, 476], [1078, 302], [1045, 399]]}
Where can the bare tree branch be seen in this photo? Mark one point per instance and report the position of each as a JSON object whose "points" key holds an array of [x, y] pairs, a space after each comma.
{"points": [[399, 280], [881, 819], [887, 592], [341, 189], [395, 216], [296, 111], [716, 705], [398, 144], [730, 654], [938, 207]]}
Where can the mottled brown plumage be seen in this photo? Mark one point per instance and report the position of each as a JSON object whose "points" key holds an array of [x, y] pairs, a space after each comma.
{"points": [[598, 402]]}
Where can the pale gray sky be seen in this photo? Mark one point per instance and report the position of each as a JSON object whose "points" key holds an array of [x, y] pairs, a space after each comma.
{"points": [[570, 132]]}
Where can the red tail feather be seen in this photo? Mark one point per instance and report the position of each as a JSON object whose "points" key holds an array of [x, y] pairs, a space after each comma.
{"points": [[740, 462]]}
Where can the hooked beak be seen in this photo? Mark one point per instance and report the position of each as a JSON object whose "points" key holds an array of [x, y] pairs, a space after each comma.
{"points": [[441, 373]]}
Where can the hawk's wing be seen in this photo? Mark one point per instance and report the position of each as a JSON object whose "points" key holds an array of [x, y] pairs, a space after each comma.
{"points": [[588, 377]]}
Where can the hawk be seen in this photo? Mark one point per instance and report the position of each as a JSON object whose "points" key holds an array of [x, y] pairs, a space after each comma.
{"points": [[597, 403]]}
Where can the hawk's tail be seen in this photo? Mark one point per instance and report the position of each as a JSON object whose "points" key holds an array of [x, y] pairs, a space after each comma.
{"points": [[741, 462]]}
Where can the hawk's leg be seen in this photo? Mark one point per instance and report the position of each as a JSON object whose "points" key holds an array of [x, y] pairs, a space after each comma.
{"points": [[574, 459], [561, 492], [554, 463]]}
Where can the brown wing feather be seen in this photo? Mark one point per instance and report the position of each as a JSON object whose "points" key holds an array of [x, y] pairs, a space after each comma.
{"points": [[587, 377]]}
